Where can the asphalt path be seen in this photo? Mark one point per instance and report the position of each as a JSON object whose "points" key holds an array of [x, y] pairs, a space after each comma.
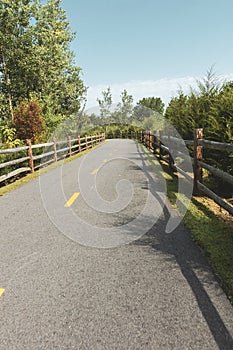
{"points": [[86, 263]]}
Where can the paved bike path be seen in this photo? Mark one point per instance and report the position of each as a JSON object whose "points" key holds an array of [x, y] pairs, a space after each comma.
{"points": [[63, 291]]}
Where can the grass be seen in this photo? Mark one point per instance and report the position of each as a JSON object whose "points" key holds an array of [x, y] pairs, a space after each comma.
{"points": [[210, 227], [12, 186]]}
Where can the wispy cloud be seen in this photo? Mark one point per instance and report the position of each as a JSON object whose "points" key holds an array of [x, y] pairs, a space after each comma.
{"points": [[165, 88]]}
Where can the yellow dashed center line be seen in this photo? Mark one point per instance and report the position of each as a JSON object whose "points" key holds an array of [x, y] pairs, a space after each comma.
{"points": [[105, 161], [95, 171], [2, 290], [72, 199]]}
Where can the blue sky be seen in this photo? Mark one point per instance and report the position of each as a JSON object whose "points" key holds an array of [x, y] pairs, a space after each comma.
{"points": [[141, 44]]}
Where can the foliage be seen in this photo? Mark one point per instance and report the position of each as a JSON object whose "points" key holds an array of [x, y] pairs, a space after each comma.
{"points": [[35, 58], [106, 103], [209, 107], [153, 103], [28, 120], [178, 115], [125, 107], [8, 137], [140, 112]]}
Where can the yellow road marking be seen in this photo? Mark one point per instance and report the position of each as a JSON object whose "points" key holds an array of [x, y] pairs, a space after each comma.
{"points": [[72, 199], [110, 154], [95, 171], [105, 161], [2, 290]]}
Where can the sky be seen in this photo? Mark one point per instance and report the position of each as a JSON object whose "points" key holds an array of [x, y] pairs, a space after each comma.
{"points": [[150, 47]]}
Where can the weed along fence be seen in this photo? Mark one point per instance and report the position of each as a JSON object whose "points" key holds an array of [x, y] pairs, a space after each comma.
{"points": [[32, 157], [155, 143]]}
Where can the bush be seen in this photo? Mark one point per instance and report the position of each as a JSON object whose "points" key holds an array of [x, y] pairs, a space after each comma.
{"points": [[28, 121]]}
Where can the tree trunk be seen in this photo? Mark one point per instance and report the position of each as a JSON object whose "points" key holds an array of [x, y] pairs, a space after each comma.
{"points": [[7, 82]]}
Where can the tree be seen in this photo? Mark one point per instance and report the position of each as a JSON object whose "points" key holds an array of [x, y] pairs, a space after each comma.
{"points": [[209, 107], [59, 76], [153, 103], [177, 112], [28, 120], [35, 58], [106, 103], [187, 112], [14, 18], [209, 85], [141, 112], [125, 107]]}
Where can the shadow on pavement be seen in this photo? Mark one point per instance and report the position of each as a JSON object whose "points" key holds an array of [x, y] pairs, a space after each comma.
{"points": [[180, 247]]}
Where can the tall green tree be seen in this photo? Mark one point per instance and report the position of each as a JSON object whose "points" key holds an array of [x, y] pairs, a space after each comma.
{"points": [[187, 112], [15, 20], [35, 58], [208, 107], [177, 112], [154, 103]]}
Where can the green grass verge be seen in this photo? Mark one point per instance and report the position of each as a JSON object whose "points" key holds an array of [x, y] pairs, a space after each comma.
{"points": [[208, 226], [12, 186]]}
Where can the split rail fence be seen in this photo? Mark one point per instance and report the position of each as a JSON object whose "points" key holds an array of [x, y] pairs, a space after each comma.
{"points": [[32, 157], [158, 143], [155, 144], [161, 146]]}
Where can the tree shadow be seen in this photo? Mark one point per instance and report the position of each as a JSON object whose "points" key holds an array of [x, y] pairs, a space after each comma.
{"points": [[179, 246]]}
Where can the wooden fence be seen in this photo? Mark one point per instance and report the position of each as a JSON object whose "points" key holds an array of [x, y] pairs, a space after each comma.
{"points": [[161, 146], [46, 153], [156, 144]]}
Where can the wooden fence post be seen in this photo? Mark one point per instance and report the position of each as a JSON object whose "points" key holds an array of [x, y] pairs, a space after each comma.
{"points": [[149, 139], [79, 143], [30, 155], [145, 138], [159, 142], [198, 173], [154, 144], [55, 149], [69, 145], [170, 147], [86, 142]]}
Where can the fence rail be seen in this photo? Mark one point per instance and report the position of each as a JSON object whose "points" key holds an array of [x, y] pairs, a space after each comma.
{"points": [[161, 145], [155, 144], [48, 153]]}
